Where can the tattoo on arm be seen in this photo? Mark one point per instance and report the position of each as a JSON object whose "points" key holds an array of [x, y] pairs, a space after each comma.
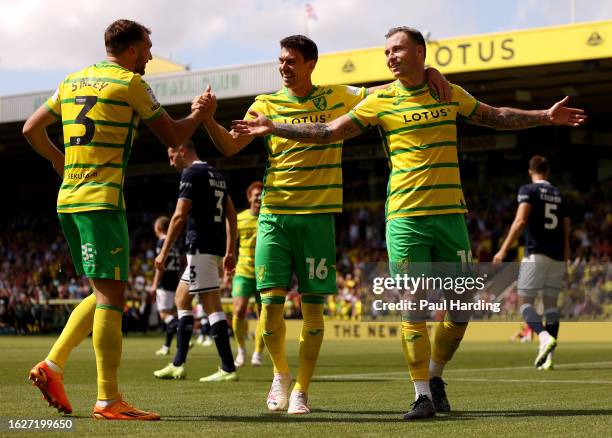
{"points": [[304, 131], [508, 118]]}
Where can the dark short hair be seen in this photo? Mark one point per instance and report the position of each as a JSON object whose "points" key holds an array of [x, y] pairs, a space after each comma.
{"points": [[254, 185], [121, 34], [412, 33], [539, 165], [187, 144], [302, 44]]}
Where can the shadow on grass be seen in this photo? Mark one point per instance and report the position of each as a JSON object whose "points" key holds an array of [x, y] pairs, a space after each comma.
{"points": [[313, 418]]}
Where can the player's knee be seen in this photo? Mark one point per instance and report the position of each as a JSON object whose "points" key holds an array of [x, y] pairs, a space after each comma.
{"points": [[240, 308]]}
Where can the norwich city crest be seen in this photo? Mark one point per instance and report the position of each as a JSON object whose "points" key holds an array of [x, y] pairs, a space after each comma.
{"points": [[320, 102], [261, 272]]}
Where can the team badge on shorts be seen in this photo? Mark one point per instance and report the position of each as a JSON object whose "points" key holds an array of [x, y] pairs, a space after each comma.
{"points": [[261, 272], [402, 265]]}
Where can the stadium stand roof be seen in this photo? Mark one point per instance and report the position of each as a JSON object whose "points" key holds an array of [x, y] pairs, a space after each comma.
{"points": [[527, 68]]}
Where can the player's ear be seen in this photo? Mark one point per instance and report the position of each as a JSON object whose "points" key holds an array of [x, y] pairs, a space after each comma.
{"points": [[311, 65]]}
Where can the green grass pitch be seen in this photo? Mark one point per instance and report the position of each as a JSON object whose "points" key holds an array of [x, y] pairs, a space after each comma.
{"points": [[361, 389]]}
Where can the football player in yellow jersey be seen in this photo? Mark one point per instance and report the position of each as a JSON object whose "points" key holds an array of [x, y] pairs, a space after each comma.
{"points": [[99, 107], [302, 191], [425, 203], [243, 284]]}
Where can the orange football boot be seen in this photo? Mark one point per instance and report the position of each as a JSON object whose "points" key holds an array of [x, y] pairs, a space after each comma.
{"points": [[51, 384], [121, 410]]}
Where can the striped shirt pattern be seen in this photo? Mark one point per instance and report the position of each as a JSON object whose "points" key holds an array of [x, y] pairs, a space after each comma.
{"points": [[247, 235], [100, 108], [304, 178], [420, 139]]}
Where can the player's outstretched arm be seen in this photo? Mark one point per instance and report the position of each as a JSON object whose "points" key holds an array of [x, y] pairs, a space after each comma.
{"points": [[340, 129], [231, 225], [517, 227], [175, 227], [505, 118], [35, 131]]}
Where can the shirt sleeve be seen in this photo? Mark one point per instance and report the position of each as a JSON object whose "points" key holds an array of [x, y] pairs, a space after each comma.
{"points": [[259, 106], [186, 190], [467, 102], [142, 99], [54, 104], [524, 195], [365, 113], [352, 95]]}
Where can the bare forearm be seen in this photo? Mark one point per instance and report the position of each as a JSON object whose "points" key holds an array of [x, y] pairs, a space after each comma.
{"points": [[184, 129], [505, 118], [515, 231], [313, 132], [230, 244], [174, 230], [41, 143], [566, 238], [222, 139]]}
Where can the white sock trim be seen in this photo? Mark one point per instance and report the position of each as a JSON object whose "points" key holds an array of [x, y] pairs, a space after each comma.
{"points": [[214, 318], [182, 313], [421, 387], [435, 369], [544, 336], [105, 403], [54, 367], [168, 318]]}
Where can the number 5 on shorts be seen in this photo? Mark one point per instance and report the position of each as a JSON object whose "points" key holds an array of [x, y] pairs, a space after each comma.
{"points": [[321, 271]]}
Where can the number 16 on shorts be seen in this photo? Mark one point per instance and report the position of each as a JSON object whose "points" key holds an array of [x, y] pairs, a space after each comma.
{"points": [[316, 270]]}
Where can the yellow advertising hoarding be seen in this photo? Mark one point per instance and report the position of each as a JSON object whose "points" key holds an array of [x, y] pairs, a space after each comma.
{"points": [[477, 331], [479, 52]]}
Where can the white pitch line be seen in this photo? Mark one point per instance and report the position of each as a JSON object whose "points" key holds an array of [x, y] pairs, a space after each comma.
{"points": [[594, 382], [389, 375]]}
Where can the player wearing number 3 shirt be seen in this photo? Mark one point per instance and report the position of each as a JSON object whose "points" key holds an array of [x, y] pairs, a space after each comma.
{"points": [[206, 209], [100, 108]]}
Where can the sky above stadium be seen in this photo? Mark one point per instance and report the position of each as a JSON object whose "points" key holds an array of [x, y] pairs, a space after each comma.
{"points": [[43, 40]]}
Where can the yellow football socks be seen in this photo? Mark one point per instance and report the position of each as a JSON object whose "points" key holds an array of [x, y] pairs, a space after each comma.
{"points": [[447, 337], [259, 341], [417, 350], [273, 321], [78, 327], [239, 326], [107, 343], [311, 338]]}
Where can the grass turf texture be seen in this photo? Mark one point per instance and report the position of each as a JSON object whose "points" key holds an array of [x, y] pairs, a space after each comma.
{"points": [[362, 389]]}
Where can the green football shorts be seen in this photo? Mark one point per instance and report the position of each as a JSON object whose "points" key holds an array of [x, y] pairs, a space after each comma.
{"points": [[300, 243], [415, 243], [98, 242], [245, 287]]}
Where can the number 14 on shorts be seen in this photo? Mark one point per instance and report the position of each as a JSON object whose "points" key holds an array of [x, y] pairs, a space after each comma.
{"points": [[316, 269]]}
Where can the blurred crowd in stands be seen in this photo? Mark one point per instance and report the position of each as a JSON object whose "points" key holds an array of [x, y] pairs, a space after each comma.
{"points": [[35, 265]]}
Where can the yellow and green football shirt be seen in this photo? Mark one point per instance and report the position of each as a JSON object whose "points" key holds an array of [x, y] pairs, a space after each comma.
{"points": [[420, 139], [304, 178], [247, 235], [100, 108]]}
